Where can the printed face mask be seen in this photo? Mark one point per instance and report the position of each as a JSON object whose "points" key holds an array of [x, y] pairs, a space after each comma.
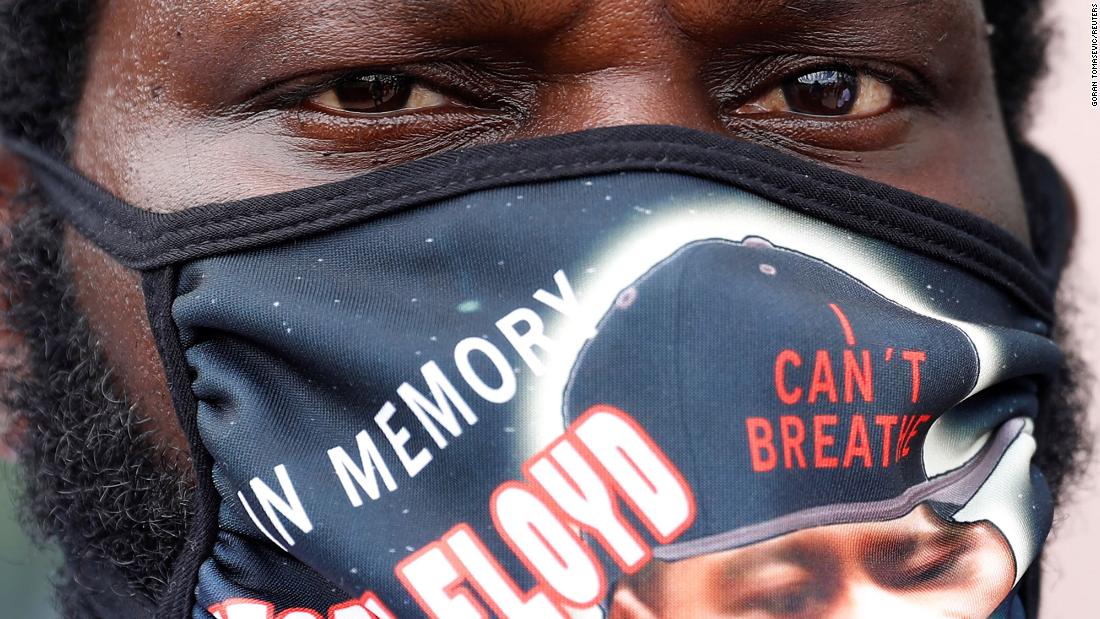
{"points": [[638, 372]]}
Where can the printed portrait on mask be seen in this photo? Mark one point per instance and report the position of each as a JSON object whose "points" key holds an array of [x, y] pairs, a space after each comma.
{"points": [[919, 565], [833, 508]]}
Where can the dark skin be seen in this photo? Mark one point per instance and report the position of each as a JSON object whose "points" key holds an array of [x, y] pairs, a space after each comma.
{"points": [[194, 102]]}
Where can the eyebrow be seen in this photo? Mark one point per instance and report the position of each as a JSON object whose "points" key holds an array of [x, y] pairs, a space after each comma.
{"points": [[281, 40], [517, 13], [753, 559]]}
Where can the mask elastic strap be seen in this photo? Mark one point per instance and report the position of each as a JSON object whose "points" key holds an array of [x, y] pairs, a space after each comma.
{"points": [[178, 597], [1051, 215]]}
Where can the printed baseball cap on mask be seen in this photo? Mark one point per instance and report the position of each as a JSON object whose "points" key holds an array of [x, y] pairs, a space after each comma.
{"points": [[497, 381], [841, 391]]}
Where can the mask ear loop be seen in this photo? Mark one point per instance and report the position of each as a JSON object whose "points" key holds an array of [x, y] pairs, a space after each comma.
{"points": [[1051, 211], [61, 184], [178, 597]]}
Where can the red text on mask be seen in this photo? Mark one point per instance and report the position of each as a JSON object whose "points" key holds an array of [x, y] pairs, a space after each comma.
{"points": [[580, 484]]}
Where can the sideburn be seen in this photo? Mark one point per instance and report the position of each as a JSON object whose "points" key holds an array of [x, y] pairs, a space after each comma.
{"points": [[95, 482]]}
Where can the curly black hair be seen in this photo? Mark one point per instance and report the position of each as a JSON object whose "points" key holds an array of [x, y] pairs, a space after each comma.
{"points": [[42, 55]]}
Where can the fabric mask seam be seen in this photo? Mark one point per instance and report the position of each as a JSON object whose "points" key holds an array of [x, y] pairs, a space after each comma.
{"points": [[143, 259], [353, 212], [765, 159], [857, 214], [230, 216]]}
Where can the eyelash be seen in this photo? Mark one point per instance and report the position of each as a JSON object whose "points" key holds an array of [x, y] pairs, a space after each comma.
{"points": [[296, 95], [910, 88], [482, 85]]}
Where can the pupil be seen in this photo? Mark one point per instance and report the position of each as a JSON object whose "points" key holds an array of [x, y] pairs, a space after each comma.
{"points": [[822, 93], [374, 93]]}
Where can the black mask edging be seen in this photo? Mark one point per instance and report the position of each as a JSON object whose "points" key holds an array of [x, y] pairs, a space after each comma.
{"points": [[145, 240], [1050, 213], [178, 597]]}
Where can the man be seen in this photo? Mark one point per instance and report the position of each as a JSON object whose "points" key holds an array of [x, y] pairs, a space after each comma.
{"points": [[170, 105]]}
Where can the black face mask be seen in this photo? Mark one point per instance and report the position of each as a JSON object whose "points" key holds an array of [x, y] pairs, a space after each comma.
{"points": [[577, 375]]}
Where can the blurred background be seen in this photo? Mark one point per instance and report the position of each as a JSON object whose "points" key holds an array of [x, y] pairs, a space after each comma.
{"points": [[1067, 128], [24, 569]]}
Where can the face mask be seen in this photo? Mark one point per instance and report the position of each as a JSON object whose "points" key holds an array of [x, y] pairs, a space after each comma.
{"points": [[629, 372]]}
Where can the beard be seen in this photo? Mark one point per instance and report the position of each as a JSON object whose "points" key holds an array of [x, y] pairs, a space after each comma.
{"points": [[99, 484], [95, 481]]}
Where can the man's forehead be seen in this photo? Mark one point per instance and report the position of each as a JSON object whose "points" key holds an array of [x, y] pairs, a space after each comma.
{"points": [[533, 16], [236, 39]]}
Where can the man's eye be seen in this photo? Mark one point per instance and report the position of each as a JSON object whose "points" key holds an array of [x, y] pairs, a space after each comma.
{"points": [[826, 92], [378, 93]]}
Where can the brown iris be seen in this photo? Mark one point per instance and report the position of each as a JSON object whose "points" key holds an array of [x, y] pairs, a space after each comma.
{"points": [[373, 93], [822, 93]]}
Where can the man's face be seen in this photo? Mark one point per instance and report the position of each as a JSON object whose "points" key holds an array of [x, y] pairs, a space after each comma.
{"points": [[193, 102], [914, 567], [210, 100]]}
